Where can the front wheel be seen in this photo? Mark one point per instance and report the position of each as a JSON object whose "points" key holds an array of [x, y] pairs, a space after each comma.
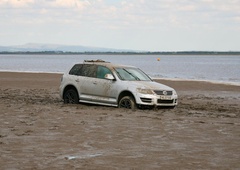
{"points": [[127, 102], [71, 97]]}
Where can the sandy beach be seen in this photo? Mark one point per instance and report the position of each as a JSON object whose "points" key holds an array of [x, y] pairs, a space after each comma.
{"points": [[38, 131]]}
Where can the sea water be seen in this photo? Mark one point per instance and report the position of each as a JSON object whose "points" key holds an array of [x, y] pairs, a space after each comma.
{"points": [[215, 68]]}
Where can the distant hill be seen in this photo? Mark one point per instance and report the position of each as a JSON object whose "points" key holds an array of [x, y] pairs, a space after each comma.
{"points": [[35, 47]]}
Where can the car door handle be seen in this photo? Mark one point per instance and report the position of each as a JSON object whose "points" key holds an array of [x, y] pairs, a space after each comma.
{"points": [[94, 82], [77, 80]]}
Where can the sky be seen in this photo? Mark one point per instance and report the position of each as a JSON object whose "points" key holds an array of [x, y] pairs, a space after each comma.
{"points": [[145, 25]]}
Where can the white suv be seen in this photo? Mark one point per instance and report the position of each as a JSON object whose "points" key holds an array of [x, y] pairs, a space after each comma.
{"points": [[104, 83]]}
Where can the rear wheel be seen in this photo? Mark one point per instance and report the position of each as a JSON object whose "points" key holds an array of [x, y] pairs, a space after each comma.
{"points": [[127, 102], [71, 97]]}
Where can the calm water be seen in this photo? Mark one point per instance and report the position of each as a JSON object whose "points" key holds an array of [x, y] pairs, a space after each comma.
{"points": [[210, 68]]}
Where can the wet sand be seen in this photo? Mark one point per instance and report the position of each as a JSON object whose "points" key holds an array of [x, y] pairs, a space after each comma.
{"points": [[38, 131]]}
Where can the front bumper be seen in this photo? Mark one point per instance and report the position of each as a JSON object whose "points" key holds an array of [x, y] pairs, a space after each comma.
{"points": [[156, 100]]}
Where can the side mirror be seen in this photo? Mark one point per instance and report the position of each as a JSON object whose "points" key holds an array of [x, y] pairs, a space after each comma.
{"points": [[109, 77]]}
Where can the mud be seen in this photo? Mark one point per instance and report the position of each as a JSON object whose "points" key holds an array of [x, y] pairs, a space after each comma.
{"points": [[38, 131]]}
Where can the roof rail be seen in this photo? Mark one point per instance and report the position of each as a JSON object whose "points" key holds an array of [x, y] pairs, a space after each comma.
{"points": [[96, 61]]}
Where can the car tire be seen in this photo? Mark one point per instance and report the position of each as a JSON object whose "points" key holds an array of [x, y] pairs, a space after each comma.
{"points": [[71, 97], [127, 102]]}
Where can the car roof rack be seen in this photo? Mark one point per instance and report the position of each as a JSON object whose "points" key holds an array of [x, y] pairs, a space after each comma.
{"points": [[96, 61]]}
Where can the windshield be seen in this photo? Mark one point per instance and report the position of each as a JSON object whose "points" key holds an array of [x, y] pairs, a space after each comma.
{"points": [[132, 74]]}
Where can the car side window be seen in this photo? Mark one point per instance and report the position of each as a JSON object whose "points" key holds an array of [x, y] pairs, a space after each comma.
{"points": [[89, 70], [76, 69], [102, 71], [86, 70]]}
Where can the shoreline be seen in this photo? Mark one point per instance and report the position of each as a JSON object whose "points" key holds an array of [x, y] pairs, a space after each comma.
{"points": [[201, 80], [23, 80], [237, 84]]}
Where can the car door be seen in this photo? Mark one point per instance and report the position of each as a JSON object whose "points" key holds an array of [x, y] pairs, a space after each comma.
{"points": [[86, 81], [104, 90]]}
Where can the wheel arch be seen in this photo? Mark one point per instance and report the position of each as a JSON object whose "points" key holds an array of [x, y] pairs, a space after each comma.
{"points": [[125, 93], [70, 86]]}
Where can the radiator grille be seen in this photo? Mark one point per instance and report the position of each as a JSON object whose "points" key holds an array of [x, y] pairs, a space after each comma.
{"points": [[163, 92]]}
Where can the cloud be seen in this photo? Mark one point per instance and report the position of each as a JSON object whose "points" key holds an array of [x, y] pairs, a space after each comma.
{"points": [[16, 3], [70, 3], [118, 19], [44, 3], [128, 13]]}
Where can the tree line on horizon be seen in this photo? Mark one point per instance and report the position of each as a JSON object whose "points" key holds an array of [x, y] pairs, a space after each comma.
{"points": [[127, 53]]}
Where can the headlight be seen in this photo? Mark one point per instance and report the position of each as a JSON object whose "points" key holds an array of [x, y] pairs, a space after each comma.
{"points": [[144, 91], [174, 92]]}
